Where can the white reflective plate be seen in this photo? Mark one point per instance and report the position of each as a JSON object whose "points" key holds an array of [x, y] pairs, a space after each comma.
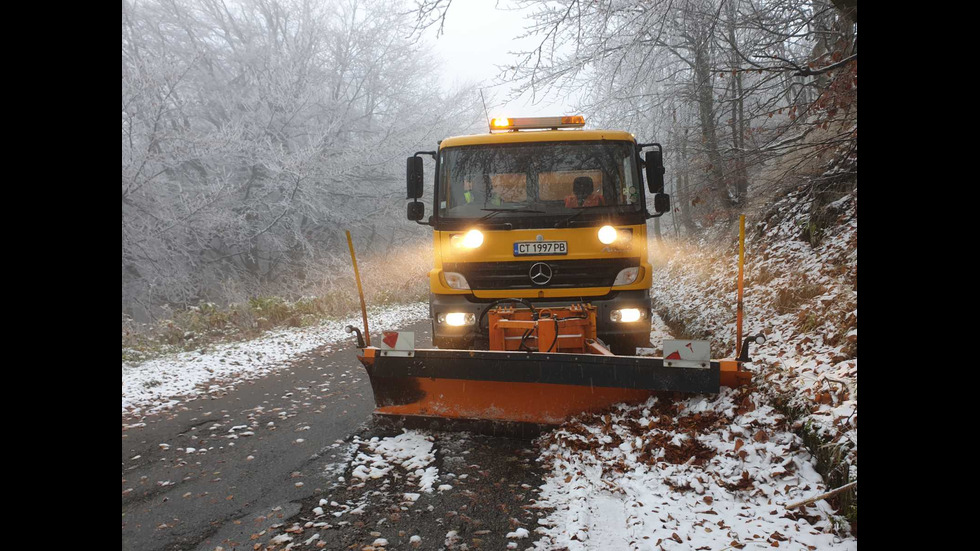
{"points": [[531, 248], [679, 353]]}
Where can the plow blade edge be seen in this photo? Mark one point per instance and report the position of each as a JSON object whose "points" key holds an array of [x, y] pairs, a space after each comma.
{"points": [[536, 388]]}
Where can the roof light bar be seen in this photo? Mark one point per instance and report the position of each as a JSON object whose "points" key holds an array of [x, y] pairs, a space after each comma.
{"points": [[528, 123]]}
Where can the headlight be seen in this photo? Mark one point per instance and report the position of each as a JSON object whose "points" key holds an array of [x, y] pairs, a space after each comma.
{"points": [[456, 319], [619, 238], [470, 240], [627, 276], [627, 315], [455, 280], [607, 234]]}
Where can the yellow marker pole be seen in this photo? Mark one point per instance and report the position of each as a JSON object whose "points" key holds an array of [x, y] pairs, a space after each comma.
{"points": [[741, 264], [360, 293]]}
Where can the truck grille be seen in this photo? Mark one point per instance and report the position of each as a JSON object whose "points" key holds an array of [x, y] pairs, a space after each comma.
{"points": [[565, 273]]}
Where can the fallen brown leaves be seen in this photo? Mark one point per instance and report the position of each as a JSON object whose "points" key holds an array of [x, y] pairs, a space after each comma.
{"points": [[744, 483], [672, 453], [656, 429]]}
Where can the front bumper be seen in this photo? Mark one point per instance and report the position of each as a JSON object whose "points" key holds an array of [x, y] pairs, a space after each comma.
{"points": [[634, 333]]}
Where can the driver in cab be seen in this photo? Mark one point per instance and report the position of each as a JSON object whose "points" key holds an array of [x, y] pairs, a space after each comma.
{"points": [[583, 194]]}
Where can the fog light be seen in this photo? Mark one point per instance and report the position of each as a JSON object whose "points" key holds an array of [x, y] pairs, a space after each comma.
{"points": [[455, 280], [456, 319], [627, 315], [607, 234], [626, 276]]}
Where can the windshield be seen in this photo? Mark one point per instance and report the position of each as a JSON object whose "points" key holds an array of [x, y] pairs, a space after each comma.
{"points": [[538, 179]]}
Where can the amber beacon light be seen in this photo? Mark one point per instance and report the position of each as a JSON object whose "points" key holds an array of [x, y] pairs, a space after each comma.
{"points": [[537, 123]]}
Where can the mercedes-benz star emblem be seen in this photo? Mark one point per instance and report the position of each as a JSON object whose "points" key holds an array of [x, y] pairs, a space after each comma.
{"points": [[540, 273]]}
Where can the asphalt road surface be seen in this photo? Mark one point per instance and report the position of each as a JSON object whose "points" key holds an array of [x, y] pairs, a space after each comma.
{"points": [[268, 452]]}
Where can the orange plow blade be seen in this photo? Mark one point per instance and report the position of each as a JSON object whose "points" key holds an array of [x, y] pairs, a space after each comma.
{"points": [[522, 387]]}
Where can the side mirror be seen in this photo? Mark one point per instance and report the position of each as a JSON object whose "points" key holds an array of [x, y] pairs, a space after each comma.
{"points": [[661, 203], [655, 171], [414, 170], [416, 210]]}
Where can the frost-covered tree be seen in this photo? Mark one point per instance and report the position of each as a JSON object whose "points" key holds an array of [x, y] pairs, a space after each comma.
{"points": [[254, 132]]}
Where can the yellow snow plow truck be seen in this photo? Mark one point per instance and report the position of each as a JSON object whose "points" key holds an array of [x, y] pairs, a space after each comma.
{"points": [[540, 292], [539, 212]]}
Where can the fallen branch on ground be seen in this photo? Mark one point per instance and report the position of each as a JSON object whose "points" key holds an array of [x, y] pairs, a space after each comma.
{"points": [[822, 496]]}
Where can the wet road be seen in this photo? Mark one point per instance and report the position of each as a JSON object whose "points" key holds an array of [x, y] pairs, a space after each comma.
{"points": [[240, 468]]}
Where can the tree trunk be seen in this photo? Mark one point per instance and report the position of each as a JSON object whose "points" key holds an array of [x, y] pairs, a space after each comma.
{"points": [[741, 174], [709, 134], [737, 120], [683, 194]]}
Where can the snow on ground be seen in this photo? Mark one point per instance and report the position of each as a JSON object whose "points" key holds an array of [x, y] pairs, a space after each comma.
{"points": [[703, 473], [334, 471], [801, 297], [412, 451], [162, 382]]}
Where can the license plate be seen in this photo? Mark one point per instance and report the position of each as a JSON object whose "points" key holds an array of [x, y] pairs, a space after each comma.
{"points": [[531, 248]]}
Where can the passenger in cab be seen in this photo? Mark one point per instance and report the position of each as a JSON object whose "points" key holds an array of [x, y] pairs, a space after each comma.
{"points": [[473, 193]]}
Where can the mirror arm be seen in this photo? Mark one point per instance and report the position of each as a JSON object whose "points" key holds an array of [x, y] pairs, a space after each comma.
{"points": [[426, 223], [744, 356], [429, 153]]}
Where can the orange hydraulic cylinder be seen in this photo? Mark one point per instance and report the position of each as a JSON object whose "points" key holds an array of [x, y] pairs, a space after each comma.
{"points": [[572, 332]]}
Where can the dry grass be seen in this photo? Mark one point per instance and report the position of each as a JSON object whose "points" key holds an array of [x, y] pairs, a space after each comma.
{"points": [[760, 275], [791, 296], [391, 279]]}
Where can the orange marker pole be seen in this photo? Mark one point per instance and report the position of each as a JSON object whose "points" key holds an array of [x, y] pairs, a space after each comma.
{"points": [[741, 264], [360, 293]]}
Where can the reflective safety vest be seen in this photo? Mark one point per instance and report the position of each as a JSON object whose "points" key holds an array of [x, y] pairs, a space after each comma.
{"points": [[593, 200]]}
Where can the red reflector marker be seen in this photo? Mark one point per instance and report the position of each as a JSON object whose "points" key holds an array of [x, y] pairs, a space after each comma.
{"points": [[391, 337]]}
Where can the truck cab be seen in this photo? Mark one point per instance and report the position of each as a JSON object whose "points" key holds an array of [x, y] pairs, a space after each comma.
{"points": [[542, 212]]}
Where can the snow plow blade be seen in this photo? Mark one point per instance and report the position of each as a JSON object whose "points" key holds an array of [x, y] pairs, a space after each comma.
{"points": [[521, 387]]}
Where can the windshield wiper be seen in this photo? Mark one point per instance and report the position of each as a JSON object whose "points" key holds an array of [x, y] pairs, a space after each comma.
{"points": [[495, 212], [566, 221]]}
